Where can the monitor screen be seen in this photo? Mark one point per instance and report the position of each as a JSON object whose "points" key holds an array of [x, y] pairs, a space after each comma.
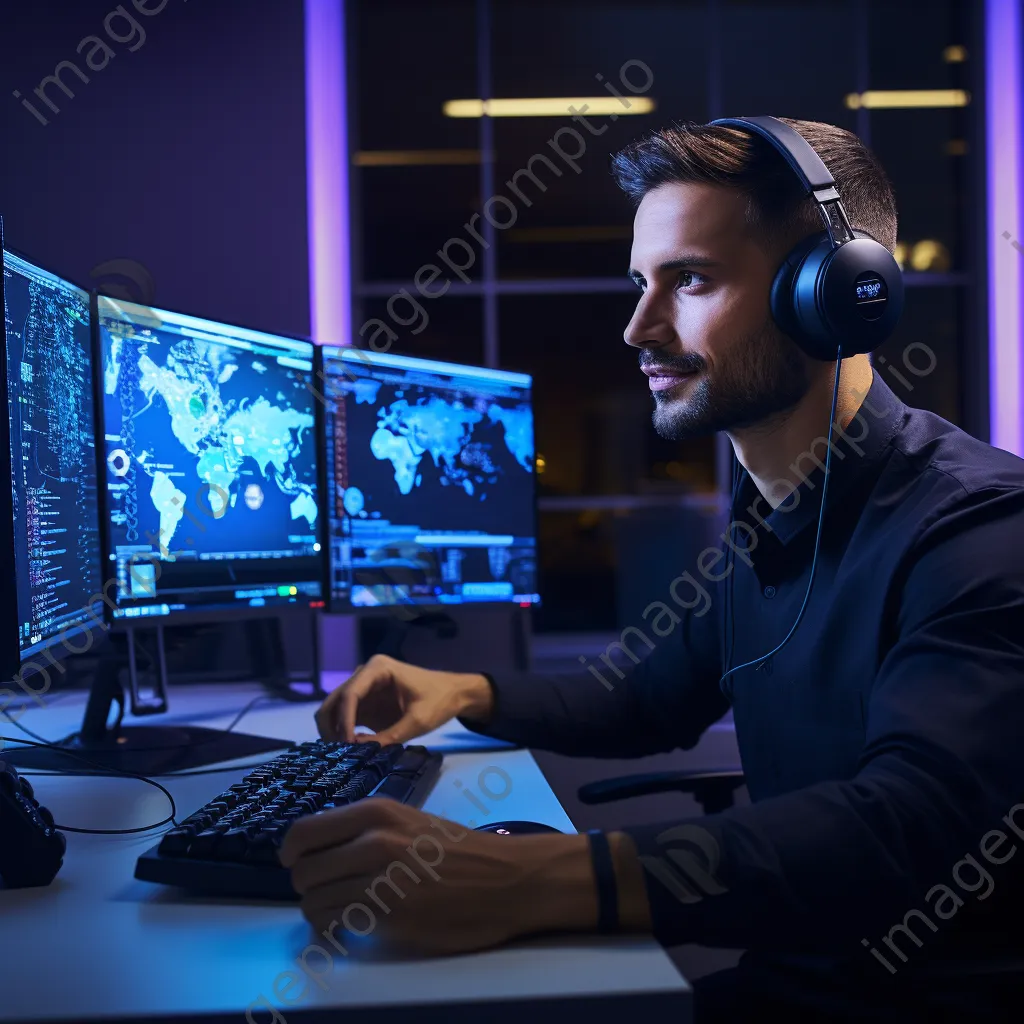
{"points": [[209, 436], [430, 482], [50, 410]]}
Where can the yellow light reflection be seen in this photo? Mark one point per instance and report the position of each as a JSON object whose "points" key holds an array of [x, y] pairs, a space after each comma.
{"points": [[551, 106], [892, 99]]}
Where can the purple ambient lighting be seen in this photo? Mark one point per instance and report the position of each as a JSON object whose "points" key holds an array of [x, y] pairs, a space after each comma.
{"points": [[1002, 145], [327, 214]]}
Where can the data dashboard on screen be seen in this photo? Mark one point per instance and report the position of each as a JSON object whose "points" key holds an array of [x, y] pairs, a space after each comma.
{"points": [[430, 482], [53, 460], [211, 464]]}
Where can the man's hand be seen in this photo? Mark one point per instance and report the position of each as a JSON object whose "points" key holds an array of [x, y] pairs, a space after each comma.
{"points": [[400, 701], [433, 887]]}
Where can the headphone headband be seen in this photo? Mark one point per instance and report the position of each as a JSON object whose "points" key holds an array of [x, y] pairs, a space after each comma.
{"points": [[837, 291], [796, 150], [806, 164]]}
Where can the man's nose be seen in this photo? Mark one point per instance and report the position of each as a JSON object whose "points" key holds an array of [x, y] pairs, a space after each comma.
{"points": [[650, 326]]}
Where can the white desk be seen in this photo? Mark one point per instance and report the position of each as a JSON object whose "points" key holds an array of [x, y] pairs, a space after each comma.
{"points": [[96, 945]]}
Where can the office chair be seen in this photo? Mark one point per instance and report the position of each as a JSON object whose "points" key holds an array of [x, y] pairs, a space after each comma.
{"points": [[713, 790]]}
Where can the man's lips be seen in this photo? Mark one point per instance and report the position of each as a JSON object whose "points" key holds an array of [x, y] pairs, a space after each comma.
{"points": [[661, 379]]}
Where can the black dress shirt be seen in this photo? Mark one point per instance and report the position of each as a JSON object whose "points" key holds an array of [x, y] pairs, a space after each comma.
{"points": [[881, 745]]}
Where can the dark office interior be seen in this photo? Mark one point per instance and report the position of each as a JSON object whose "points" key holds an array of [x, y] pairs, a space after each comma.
{"points": [[364, 268]]}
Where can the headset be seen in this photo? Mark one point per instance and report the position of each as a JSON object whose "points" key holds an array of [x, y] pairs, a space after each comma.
{"points": [[838, 293], [837, 289]]}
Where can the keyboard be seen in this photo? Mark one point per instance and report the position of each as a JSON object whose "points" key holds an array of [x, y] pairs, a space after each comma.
{"points": [[229, 846]]}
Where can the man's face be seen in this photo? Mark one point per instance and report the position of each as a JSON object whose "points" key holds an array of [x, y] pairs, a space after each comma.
{"points": [[714, 357]]}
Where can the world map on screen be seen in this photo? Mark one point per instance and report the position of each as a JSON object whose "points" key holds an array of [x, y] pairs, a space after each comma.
{"points": [[447, 431], [207, 440]]}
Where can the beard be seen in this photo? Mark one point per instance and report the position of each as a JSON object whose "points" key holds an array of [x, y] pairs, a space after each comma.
{"points": [[765, 377]]}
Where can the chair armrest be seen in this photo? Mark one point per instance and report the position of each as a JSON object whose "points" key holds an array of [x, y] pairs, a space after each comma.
{"points": [[713, 790]]}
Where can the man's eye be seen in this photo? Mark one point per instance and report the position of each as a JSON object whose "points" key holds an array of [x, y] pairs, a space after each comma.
{"points": [[690, 279]]}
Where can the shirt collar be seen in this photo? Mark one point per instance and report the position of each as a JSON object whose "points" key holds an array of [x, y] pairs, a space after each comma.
{"points": [[855, 450]]}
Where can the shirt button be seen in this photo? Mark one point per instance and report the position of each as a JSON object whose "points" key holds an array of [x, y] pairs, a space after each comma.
{"points": [[769, 592]]}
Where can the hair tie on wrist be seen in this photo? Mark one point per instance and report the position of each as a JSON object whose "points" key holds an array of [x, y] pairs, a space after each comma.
{"points": [[607, 885]]}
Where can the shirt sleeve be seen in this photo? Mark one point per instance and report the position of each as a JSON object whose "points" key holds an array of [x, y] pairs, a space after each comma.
{"points": [[653, 690], [942, 764]]}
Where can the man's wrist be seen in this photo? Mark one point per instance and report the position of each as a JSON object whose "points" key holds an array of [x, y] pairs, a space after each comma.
{"points": [[477, 698], [634, 907], [559, 888], [556, 890]]}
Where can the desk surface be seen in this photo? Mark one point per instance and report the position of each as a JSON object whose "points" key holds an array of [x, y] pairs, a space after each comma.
{"points": [[98, 945]]}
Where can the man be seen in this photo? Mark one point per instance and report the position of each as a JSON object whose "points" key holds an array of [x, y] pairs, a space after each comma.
{"points": [[882, 745]]}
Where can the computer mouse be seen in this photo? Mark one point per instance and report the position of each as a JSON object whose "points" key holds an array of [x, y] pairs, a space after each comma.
{"points": [[516, 828]]}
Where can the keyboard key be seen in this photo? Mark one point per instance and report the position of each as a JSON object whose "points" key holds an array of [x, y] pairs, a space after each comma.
{"points": [[176, 842], [412, 761], [233, 845], [202, 847], [397, 787], [263, 848], [378, 769]]}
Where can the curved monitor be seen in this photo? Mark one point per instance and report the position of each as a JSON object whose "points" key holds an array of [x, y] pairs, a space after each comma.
{"points": [[210, 477], [51, 559], [430, 482]]}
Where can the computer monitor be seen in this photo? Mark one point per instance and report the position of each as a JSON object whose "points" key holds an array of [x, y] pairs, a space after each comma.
{"points": [[210, 478], [429, 473], [50, 555]]}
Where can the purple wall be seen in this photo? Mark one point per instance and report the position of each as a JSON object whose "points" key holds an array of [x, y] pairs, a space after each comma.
{"points": [[186, 155]]}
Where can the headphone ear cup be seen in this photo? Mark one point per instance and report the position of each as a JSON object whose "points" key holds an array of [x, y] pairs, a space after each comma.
{"points": [[824, 296], [859, 295], [783, 294]]}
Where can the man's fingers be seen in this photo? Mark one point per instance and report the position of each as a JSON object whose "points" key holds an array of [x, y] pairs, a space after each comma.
{"points": [[400, 732], [347, 715], [337, 826], [324, 723], [337, 717], [330, 715], [326, 715], [406, 728]]}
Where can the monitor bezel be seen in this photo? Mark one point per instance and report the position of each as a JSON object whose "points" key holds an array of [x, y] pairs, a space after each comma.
{"points": [[56, 649], [10, 648], [217, 613], [340, 606]]}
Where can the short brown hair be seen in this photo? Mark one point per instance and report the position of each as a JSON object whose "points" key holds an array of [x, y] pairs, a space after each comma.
{"points": [[778, 210]]}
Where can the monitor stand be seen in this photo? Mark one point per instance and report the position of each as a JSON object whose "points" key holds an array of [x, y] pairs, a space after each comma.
{"points": [[144, 749], [387, 634]]}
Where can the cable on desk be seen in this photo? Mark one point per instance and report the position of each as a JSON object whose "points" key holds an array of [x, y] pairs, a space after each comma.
{"points": [[113, 772], [42, 740], [214, 771], [103, 770], [25, 729], [51, 699], [108, 772], [290, 696], [241, 714], [86, 773]]}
